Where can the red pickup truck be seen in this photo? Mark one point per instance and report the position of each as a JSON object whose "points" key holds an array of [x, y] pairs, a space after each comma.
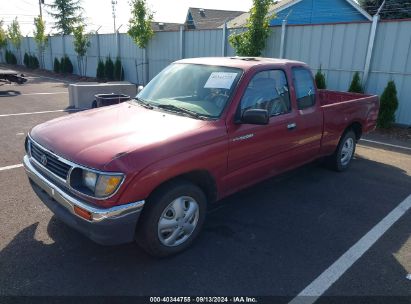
{"points": [[202, 129]]}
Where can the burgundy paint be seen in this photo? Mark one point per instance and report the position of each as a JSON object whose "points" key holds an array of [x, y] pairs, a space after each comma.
{"points": [[151, 147]]}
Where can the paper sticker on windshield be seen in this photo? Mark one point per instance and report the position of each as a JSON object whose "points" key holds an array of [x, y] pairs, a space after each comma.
{"points": [[220, 80]]}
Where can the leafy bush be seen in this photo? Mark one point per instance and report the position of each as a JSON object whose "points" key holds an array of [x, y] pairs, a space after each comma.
{"points": [[109, 69], [56, 66], [388, 106], [66, 66], [118, 70], [356, 86], [10, 58], [320, 80]]}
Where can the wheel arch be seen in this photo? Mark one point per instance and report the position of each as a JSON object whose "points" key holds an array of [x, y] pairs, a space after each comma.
{"points": [[356, 127], [201, 178]]}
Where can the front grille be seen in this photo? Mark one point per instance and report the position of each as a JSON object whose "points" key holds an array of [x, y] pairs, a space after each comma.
{"points": [[53, 164]]}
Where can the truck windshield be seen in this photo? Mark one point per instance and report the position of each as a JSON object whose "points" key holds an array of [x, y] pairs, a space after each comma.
{"points": [[201, 90]]}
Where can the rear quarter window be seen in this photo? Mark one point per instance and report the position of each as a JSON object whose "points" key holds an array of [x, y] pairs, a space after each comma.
{"points": [[304, 87]]}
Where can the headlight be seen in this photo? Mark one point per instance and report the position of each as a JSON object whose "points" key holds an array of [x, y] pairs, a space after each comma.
{"points": [[95, 184], [89, 180], [106, 185]]}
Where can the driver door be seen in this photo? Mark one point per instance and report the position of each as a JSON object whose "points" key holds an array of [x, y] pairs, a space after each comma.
{"points": [[259, 151]]}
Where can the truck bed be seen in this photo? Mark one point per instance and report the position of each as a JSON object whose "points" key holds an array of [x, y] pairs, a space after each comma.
{"points": [[332, 97], [342, 109]]}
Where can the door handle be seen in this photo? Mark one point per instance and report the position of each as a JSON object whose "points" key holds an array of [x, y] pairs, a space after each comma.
{"points": [[291, 126]]}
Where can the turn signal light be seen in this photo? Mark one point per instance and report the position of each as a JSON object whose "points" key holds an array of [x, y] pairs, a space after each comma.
{"points": [[83, 213]]}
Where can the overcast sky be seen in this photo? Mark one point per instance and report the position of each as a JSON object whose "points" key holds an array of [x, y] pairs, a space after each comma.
{"points": [[99, 13]]}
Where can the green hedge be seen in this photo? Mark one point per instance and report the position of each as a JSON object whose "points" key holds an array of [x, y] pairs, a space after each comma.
{"points": [[56, 66], [100, 73], [31, 61], [388, 106], [320, 80], [356, 86], [118, 70], [66, 66], [10, 58], [109, 69], [63, 65]]}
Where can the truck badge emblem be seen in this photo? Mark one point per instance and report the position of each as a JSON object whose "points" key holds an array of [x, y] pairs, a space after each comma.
{"points": [[43, 160]]}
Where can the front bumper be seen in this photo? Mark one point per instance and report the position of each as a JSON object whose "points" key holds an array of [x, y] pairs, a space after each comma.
{"points": [[108, 226]]}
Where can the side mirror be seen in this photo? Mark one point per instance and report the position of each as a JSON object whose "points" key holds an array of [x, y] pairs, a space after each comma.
{"points": [[140, 88], [255, 117]]}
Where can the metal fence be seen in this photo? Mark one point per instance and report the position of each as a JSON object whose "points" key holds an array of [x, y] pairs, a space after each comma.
{"points": [[340, 50]]}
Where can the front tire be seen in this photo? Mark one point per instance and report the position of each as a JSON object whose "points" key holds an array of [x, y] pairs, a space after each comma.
{"points": [[342, 157], [172, 219]]}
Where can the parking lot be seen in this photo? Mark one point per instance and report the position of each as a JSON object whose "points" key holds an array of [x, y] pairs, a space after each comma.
{"points": [[274, 239]]}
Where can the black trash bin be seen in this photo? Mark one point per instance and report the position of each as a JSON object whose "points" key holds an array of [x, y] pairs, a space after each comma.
{"points": [[102, 100]]}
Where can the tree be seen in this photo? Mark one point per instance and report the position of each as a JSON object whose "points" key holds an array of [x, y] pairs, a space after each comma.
{"points": [[356, 86], [3, 39], [81, 44], [320, 80], [40, 38], [139, 25], [67, 14], [14, 35], [388, 106], [252, 42], [393, 9]]}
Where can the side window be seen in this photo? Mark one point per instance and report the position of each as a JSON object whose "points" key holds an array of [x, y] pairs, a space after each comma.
{"points": [[304, 88], [267, 90]]}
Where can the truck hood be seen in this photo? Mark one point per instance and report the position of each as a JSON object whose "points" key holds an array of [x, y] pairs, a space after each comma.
{"points": [[94, 138]]}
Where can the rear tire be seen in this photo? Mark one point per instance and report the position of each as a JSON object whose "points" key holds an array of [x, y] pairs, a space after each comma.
{"points": [[94, 104], [342, 157], [172, 219]]}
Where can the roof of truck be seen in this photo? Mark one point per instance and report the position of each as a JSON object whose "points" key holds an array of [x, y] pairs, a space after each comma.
{"points": [[239, 62]]}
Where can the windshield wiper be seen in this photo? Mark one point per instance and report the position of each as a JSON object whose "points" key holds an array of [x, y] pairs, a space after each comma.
{"points": [[180, 110], [143, 103]]}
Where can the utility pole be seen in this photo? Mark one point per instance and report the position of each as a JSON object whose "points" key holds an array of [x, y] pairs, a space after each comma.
{"points": [[113, 7], [283, 29], [371, 41], [41, 13]]}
